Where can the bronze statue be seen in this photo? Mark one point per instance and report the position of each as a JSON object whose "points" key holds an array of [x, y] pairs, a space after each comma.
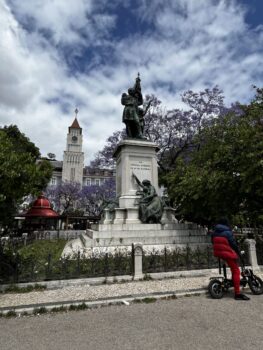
{"points": [[110, 204], [150, 205], [132, 114]]}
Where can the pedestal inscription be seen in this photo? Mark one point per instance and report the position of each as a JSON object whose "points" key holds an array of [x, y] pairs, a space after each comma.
{"points": [[142, 169]]}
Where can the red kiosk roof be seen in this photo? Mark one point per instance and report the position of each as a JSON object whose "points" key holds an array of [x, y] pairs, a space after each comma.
{"points": [[41, 208]]}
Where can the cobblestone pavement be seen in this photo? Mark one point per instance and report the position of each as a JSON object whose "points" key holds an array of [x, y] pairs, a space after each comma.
{"points": [[87, 292], [94, 292]]}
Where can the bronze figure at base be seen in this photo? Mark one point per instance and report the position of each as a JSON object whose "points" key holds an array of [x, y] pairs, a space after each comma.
{"points": [[150, 204]]}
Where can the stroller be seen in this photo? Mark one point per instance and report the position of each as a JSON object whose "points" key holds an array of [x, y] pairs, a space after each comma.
{"points": [[218, 286]]}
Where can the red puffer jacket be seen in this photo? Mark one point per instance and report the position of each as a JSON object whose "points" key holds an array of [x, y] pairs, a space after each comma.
{"points": [[222, 248], [225, 246]]}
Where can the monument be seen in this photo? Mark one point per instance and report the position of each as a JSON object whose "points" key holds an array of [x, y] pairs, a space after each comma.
{"points": [[138, 214]]}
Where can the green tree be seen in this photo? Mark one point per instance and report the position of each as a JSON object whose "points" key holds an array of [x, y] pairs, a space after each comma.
{"points": [[21, 171], [224, 176]]}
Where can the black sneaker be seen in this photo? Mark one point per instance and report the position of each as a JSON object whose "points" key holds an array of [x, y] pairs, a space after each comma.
{"points": [[241, 297]]}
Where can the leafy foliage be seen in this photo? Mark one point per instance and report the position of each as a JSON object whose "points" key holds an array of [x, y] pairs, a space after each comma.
{"points": [[43, 261], [224, 176], [39, 250], [20, 172]]}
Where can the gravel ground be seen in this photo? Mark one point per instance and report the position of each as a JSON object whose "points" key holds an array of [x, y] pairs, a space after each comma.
{"points": [[88, 293]]}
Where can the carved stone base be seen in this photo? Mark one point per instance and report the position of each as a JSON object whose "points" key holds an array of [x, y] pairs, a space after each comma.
{"points": [[132, 216], [120, 215]]}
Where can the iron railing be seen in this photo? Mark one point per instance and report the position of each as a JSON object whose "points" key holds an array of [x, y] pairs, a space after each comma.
{"points": [[259, 249], [178, 259], [15, 269]]}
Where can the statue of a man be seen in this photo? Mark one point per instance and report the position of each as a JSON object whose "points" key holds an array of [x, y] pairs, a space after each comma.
{"points": [[132, 114]]}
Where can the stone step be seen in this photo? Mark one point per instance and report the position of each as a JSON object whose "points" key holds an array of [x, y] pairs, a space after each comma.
{"points": [[171, 240], [144, 227], [144, 233]]}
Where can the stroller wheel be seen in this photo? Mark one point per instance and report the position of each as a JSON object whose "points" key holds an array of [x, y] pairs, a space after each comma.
{"points": [[215, 289]]}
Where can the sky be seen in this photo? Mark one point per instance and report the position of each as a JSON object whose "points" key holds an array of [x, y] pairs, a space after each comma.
{"points": [[56, 55]]}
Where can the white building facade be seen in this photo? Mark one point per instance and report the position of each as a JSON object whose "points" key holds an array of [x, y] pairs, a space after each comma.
{"points": [[73, 159]]}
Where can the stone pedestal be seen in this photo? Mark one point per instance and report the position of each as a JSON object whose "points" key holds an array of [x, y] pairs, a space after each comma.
{"points": [[119, 216], [138, 157], [132, 216], [168, 216], [107, 217]]}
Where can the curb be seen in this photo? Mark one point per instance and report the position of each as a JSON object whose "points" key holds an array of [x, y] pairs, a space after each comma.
{"points": [[121, 300]]}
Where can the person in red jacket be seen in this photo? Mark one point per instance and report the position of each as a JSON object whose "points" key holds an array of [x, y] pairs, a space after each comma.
{"points": [[226, 248]]}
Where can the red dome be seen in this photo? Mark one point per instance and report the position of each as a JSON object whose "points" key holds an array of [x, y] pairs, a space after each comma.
{"points": [[42, 208]]}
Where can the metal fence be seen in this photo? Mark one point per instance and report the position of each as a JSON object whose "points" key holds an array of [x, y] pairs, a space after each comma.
{"points": [[259, 249], [15, 270], [178, 259]]}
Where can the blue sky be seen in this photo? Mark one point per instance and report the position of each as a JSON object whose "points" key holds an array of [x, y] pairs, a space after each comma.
{"points": [[57, 55]]}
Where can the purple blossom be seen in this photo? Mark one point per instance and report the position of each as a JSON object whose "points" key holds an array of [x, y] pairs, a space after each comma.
{"points": [[92, 197], [65, 196]]}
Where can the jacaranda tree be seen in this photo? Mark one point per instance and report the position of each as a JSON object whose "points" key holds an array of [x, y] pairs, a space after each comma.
{"points": [[69, 197], [224, 175]]}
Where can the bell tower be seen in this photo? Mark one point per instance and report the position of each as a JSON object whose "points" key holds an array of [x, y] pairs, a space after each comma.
{"points": [[73, 159]]}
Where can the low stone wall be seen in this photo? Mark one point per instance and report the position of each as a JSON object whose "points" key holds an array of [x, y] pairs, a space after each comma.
{"points": [[63, 234]]}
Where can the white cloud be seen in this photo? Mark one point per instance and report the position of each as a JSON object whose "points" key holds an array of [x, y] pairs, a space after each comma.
{"points": [[64, 21], [181, 45]]}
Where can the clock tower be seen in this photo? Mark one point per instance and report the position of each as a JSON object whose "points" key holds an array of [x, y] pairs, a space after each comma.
{"points": [[73, 159]]}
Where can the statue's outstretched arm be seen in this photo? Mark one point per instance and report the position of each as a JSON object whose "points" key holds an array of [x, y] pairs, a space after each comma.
{"points": [[137, 180]]}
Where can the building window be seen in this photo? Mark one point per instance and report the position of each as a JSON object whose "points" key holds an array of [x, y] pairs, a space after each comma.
{"points": [[53, 181], [97, 182], [72, 174], [88, 182]]}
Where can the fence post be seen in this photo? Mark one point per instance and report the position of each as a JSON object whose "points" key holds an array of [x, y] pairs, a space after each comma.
{"points": [[138, 251], [252, 253], [78, 263], [24, 235], [165, 259], [106, 264], [48, 271]]}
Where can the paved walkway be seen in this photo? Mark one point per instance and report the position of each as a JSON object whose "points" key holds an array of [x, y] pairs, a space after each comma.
{"points": [[88, 292], [196, 323]]}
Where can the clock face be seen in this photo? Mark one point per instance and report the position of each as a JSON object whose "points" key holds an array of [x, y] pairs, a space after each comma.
{"points": [[74, 138]]}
